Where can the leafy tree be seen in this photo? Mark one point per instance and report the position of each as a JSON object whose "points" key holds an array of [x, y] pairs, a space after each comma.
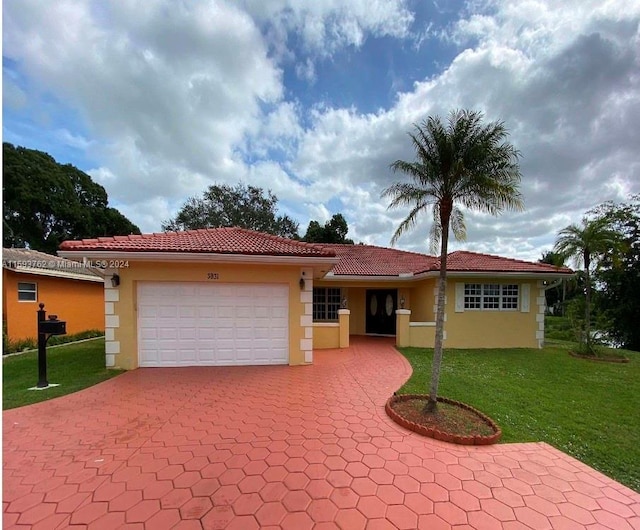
{"points": [[555, 297], [585, 243], [461, 162], [242, 206], [334, 231], [618, 276], [45, 202]]}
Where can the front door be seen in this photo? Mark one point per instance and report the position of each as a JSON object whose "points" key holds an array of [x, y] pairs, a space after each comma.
{"points": [[381, 311]]}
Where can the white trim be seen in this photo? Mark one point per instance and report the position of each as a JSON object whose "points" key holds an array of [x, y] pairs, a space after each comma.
{"points": [[197, 257], [403, 311], [422, 324], [326, 324], [112, 347], [459, 305], [111, 294], [525, 298], [308, 356]]}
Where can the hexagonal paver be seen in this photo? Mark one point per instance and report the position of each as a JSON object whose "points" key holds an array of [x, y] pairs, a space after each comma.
{"points": [[280, 447]]}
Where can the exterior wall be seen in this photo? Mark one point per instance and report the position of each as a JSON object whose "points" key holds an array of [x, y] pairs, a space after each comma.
{"points": [[326, 335], [422, 333], [121, 314], [495, 329], [421, 301], [418, 294], [78, 302]]}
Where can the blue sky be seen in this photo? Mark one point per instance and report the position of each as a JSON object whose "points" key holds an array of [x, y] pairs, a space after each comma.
{"points": [[313, 100]]}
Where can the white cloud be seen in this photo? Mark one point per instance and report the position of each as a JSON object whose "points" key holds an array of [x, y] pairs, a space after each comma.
{"points": [[176, 96]]}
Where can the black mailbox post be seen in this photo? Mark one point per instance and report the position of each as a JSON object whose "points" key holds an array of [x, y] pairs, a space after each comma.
{"points": [[46, 328]]}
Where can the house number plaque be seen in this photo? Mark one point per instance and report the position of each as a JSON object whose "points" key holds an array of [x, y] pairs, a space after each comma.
{"points": [[213, 276]]}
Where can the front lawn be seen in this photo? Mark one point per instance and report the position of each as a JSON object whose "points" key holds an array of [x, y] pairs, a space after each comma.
{"points": [[74, 367], [587, 409]]}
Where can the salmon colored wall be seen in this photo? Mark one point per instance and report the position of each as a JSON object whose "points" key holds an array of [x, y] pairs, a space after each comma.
{"points": [[125, 334], [78, 302]]}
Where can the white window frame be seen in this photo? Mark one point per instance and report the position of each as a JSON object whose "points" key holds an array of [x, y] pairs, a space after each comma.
{"points": [[33, 292], [491, 297], [330, 305]]}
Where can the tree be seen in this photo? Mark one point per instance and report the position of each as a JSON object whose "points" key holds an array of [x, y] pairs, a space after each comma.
{"points": [[45, 202], [461, 162], [585, 243], [334, 231], [555, 297], [619, 273], [242, 206]]}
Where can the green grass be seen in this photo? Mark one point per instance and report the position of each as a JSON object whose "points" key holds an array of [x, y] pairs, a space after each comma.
{"points": [[585, 408], [558, 328], [73, 366]]}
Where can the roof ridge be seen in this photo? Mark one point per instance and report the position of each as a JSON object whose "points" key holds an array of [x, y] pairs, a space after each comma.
{"points": [[504, 258], [393, 249]]}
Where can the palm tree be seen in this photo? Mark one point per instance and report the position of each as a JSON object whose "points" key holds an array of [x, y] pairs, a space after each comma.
{"points": [[461, 162], [582, 243]]}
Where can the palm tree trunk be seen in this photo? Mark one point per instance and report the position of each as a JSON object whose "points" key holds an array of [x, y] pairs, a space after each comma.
{"points": [[587, 302], [432, 403]]}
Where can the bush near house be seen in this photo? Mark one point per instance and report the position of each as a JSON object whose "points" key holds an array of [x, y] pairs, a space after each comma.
{"points": [[15, 346]]}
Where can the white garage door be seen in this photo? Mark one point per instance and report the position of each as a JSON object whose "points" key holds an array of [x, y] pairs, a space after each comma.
{"points": [[207, 324]]}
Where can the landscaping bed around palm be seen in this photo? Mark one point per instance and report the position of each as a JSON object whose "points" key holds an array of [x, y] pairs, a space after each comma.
{"points": [[586, 409], [452, 421]]}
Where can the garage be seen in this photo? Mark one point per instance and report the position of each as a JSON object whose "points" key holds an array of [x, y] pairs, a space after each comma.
{"points": [[212, 324]]}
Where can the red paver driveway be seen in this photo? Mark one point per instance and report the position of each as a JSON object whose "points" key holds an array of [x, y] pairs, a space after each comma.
{"points": [[280, 447]]}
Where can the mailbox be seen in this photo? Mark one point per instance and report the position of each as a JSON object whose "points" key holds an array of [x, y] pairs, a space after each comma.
{"points": [[46, 328], [53, 326]]}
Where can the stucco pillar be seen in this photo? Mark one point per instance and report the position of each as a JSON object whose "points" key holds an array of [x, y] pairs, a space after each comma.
{"points": [[403, 317], [343, 320]]}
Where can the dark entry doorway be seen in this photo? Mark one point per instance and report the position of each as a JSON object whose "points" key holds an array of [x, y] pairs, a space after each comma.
{"points": [[381, 311]]}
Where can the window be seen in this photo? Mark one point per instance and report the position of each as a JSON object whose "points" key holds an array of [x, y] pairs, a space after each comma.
{"points": [[27, 292], [326, 302], [491, 296]]}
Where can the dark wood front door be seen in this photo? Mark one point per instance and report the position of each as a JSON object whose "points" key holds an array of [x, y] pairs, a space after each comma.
{"points": [[381, 311]]}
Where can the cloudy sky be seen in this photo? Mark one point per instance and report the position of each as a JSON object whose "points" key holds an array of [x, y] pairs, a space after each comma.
{"points": [[156, 100]]}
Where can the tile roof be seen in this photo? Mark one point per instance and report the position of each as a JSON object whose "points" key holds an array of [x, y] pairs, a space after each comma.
{"points": [[463, 261], [27, 260], [354, 260], [212, 240], [366, 260]]}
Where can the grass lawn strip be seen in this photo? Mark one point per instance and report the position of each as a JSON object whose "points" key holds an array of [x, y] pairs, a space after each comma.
{"points": [[589, 410], [74, 367]]}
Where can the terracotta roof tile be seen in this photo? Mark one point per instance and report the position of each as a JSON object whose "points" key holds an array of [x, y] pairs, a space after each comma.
{"points": [[212, 240], [367, 260], [354, 260], [462, 261]]}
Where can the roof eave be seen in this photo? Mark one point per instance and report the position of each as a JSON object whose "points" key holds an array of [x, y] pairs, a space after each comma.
{"points": [[511, 274], [194, 257], [56, 274]]}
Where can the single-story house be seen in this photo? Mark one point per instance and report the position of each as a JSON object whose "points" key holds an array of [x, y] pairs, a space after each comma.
{"points": [[67, 288], [230, 296]]}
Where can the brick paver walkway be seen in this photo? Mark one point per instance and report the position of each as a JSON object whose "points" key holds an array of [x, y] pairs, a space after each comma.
{"points": [[280, 447]]}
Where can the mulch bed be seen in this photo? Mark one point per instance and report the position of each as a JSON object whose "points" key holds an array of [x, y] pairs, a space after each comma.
{"points": [[454, 421]]}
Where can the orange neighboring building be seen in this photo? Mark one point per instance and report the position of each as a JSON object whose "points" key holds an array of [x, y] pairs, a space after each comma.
{"points": [[67, 289]]}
